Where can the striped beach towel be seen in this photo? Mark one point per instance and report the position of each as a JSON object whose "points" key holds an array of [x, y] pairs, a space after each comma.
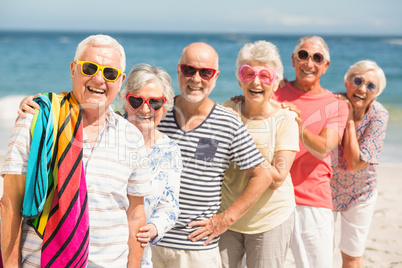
{"points": [[56, 199]]}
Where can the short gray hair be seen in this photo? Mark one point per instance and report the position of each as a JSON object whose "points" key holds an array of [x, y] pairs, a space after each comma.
{"points": [[143, 74], [101, 40], [316, 40], [364, 66], [263, 52]]}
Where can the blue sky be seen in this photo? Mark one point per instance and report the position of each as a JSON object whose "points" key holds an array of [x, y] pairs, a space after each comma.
{"points": [[356, 17]]}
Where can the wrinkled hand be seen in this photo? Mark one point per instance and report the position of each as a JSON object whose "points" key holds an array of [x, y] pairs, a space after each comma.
{"points": [[27, 105], [146, 233], [283, 82], [212, 228], [351, 109], [237, 99], [293, 108]]}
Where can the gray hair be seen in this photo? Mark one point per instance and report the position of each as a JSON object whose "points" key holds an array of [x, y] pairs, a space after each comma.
{"points": [[315, 40], [143, 74], [101, 40], [263, 52], [364, 66]]}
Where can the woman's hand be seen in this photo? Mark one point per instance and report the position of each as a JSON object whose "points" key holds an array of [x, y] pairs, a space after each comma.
{"points": [[293, 108], [27, 105], [146, 233], [351, 109]]}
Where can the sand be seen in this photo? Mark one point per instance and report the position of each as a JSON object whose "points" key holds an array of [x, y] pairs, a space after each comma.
{"points": [[384, 245]]}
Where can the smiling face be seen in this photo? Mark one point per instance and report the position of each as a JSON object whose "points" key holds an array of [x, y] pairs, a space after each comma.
{"points": [[144, 118], [307, 71], [94, 92], [360, 96], [198, 55], [256, 91]]}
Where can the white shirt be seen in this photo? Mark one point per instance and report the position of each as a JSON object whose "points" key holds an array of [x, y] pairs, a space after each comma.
{"points": [[116, 167]]}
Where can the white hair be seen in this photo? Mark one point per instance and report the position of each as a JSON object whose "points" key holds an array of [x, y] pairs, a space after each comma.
{"points": [[101, 40], [263, 52], [315, 40], [364, 66]]}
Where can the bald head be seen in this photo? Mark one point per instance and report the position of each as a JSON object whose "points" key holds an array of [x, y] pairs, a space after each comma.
{"points": [[202, 52]]}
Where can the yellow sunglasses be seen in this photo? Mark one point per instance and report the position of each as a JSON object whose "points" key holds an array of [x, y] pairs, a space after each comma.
{"points": [[90, 69]]}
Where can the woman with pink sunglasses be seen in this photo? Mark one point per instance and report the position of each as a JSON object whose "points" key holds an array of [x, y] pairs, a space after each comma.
{"points": [[263, 234], [354, 179], [147, 95]]}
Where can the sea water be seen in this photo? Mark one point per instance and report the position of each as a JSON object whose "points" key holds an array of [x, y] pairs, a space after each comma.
{"points": [[33, 62]]}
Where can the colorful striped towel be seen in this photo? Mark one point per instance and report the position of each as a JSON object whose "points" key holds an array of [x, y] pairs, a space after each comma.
{"points": [[56, 199]]}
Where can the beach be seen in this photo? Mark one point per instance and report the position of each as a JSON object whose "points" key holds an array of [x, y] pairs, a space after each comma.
{"points": [[384, 244]]}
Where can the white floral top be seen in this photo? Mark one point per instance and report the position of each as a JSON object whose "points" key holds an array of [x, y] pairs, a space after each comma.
{"points": [[162, 206]]}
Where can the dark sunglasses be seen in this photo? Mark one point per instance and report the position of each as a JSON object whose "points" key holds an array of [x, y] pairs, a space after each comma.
{"points": [[303, 55], [359, 81], [190, 71], [90, 69], [137, 101]]}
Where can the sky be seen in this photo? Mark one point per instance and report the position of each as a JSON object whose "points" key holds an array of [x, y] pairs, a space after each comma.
{"points": [[354, 17]]}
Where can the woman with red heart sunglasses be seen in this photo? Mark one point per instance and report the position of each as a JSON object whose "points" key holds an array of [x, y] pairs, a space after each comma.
{"points": [[147, 95]]}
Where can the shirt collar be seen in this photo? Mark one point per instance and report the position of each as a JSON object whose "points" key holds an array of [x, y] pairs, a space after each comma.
{"points": [[111, 117]]}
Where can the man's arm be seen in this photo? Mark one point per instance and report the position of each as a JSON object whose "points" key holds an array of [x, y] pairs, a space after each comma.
{"points": [[260, 180], [11, 219], [136, 219], [320, 145]]}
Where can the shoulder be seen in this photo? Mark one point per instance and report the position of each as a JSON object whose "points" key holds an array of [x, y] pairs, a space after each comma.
{"points": [[286, 113], [223, 113], [167, 143], [378, 111], [230, 104]]}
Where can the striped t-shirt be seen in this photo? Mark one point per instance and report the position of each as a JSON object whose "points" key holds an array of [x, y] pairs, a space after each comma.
{"points": [[206, 153], [116, 167]]}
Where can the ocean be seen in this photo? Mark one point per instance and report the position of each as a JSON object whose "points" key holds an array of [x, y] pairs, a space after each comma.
{"points": [[33, 62]]}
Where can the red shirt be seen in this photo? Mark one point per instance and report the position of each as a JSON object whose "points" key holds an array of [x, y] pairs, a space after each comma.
{"points": [[310, 175]]}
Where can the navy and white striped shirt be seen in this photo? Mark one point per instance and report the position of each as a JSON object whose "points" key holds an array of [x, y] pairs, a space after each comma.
{"points": [[206, 153]]}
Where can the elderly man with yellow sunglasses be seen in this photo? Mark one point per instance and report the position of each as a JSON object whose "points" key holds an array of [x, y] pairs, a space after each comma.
{"points": [[73, 175]]}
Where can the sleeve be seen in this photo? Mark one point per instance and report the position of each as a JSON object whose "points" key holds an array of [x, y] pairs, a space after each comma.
{"points": [[243, 150], [288, 132], [371, 141], [167, 210], [16, 159]]}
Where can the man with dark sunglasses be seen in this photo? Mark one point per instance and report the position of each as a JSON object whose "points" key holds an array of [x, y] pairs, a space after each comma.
{"points": [[209, 137], [73, 173], [322, 120]]}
